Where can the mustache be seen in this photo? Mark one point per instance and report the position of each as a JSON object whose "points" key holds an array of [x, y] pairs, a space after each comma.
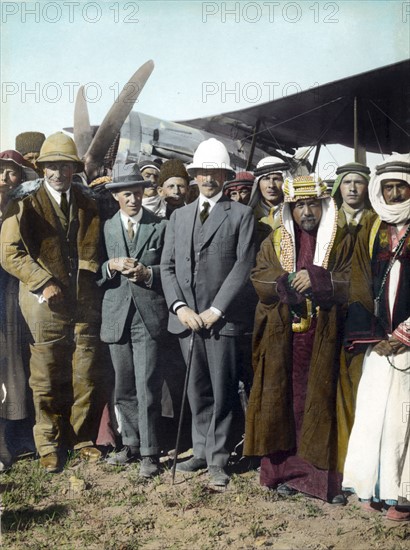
{"points": [[212, 183]]}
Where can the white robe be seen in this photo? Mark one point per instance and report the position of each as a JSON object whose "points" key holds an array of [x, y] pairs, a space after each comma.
{"points": [[378, 458]]}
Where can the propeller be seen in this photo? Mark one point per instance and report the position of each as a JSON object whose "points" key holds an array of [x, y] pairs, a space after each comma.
{"points": [[114, 119], [83, 135]]}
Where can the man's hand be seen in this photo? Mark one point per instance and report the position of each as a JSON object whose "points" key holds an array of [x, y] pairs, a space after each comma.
{"points": [[52, 293], [397, 346], [389, 347], [209, 318], [123, 265], [190, 319], [139, 274], [301, 283]]}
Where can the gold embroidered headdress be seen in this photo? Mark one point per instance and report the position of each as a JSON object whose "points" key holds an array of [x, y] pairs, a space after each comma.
{"points": [[304, 187]]}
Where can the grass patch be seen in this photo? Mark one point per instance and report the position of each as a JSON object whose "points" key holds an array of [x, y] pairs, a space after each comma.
{"points": [[313, 510], [29, 518], [25, 484]]}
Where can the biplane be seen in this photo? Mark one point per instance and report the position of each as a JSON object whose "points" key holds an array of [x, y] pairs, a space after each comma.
{"points": [[369, 111]]}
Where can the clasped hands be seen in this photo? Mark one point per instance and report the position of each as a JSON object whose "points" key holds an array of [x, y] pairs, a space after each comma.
{"points": [[195, 321], [301, 281], [389, 347], [130, 268]]}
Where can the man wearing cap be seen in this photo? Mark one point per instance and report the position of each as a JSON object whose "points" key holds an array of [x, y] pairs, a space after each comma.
{"points": [[151, 200], [173, 185], [301, 278], [377, 466], [50, 239], [267, 195], [239, 189], [208, 253], [28, 144], [134, 317]]}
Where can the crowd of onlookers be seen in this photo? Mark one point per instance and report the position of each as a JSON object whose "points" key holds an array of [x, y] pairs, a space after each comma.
{"points": [[270, 282]]}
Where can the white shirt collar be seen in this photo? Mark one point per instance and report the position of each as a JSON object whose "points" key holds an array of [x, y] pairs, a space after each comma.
{"points": [[56, 194], [212, 201], [135, 219]]}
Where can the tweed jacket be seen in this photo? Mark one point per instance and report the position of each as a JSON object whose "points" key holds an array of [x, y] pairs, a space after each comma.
{"points": [[120, 291]]}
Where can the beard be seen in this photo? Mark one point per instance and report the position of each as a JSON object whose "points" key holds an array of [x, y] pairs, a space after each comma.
{"points": [[308, 223]]}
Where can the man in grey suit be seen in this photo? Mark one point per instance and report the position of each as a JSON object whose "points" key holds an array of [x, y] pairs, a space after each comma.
{"points": [[134, 317], [208, 254]]}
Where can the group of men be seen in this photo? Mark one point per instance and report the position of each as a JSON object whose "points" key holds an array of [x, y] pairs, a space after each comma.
{"points": [[331, 270]]}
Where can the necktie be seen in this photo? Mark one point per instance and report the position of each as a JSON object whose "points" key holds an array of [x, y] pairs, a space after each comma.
{"points": [[130, 230], [203, 215], [64, 204]]}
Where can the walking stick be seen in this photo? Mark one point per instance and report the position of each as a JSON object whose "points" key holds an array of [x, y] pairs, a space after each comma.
{"points": [[184, 393]]}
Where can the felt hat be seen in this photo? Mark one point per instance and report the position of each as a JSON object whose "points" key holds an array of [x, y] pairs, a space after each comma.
{"points": [[125, 176]]}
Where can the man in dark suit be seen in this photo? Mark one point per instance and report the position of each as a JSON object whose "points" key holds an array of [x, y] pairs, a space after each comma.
{"points": [[134, 317], [208, 254]]}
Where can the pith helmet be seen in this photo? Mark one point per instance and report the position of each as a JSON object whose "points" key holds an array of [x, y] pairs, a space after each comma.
{"points": [[59, 148], [211, 154]]}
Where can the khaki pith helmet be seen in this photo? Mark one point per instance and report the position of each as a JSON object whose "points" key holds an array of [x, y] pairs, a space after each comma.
{"points": [[59, 148]]}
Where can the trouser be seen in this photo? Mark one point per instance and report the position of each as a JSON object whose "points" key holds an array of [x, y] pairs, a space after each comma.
{"points": [[138, 385], [64, 373], [212, 391]]}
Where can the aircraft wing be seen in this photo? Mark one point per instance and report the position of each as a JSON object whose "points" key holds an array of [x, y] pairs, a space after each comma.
{"points": [[325, 114]]}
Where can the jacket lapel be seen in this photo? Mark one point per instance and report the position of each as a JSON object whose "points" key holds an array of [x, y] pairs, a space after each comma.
{"points": [[73, 214], [49, 212], [145, 230], [118, 235], [189, 213], [217, 216]]}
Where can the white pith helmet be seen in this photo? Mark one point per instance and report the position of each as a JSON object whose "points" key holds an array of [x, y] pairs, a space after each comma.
{"points": [[210, 154]]}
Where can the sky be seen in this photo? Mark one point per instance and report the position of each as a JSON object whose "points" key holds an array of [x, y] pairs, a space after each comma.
{"points": [[210, 57]]}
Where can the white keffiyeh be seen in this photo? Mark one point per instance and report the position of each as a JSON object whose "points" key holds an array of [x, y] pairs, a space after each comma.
{"points": [[390, 213]]}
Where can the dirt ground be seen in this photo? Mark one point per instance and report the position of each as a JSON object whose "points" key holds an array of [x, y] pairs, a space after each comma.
{"points": [[95, 506]]}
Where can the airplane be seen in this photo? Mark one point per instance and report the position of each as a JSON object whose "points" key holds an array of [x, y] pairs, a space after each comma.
{"points": [[368, 112]]}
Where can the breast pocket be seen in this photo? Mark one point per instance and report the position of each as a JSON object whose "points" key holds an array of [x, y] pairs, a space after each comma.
{"points": [[152, 256]]}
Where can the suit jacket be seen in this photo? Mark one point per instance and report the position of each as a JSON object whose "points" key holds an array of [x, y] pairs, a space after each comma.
{"points": [[32, 238], [226, 257], [120, 291]]}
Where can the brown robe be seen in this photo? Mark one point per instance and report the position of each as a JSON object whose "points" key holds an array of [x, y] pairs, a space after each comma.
{"points": [[270, 423], [350, 365]]}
